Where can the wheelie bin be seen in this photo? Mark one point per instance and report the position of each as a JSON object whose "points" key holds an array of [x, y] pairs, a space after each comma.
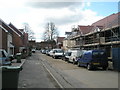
{"points": [[18, 57], [10, 77]]}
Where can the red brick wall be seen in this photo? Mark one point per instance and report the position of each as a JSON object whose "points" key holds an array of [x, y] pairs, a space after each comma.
{"points": [[25, 39], [4, 40], [17, 41]]}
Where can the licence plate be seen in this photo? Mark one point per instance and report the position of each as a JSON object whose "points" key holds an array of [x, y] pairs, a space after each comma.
{"points": [[96, 63]]}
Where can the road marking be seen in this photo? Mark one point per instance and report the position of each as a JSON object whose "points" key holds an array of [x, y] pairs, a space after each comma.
{"points": [[52, 76]]}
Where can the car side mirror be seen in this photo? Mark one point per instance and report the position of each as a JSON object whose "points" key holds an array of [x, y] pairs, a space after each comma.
{"points": [[11, 57]]}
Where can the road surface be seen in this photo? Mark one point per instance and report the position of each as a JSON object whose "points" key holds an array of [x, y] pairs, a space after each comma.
{"points": [[41, 71]]}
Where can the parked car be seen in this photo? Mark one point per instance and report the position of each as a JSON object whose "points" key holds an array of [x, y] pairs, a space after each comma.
{"points": [[43, 51], [5, 59], [66, 56], [94, 58], [33, 50], [47, 52], [51, 53], [57, 53], [75, 54]]}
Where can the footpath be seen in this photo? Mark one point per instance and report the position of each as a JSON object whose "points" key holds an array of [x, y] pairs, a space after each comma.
{"points": [[15, 64]]}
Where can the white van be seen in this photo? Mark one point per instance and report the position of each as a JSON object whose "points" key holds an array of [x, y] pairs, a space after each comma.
{"points": [[75, 54], [57, 53]]}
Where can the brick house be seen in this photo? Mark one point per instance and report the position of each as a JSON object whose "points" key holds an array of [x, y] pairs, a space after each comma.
{"points": [[12, 39], [20, 39], [17, 38], [60, 42], [101, 34], [104, 34], [50, 44], [6, 40]]}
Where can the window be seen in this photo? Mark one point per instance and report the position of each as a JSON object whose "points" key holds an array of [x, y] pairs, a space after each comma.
{"points": [[68, 54], [98, 54], [95, 54]]}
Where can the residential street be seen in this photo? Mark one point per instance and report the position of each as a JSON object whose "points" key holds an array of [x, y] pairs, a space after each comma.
{"points": [[41, 71], [34, 75], [59, 44]]}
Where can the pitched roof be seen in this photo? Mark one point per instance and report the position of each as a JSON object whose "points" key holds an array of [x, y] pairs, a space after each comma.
{"points": [[17, 30], [108, 21], [60, 39], [85, 29]]}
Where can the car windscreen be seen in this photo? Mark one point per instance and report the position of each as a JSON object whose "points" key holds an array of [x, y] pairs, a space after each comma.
{"points": [[68, 54], [59, 51], [98, 54]]}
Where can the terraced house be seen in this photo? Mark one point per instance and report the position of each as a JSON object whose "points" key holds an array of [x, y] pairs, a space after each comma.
{"points": [[13, 40], [6, 37], [103, 34]]}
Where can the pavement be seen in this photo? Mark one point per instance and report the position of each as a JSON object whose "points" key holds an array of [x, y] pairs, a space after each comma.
{"points": [[15, 64]]}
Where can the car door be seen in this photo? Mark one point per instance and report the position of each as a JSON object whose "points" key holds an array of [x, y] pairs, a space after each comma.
{"points": [[71, 56], [84, 59], [0, 58]]}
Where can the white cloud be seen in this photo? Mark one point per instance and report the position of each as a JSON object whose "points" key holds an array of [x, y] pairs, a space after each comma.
{"points": [[89, 17], [11, 3], [88, 3], [64, 16]]}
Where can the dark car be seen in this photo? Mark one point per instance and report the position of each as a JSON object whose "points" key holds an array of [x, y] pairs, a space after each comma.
{"points": [[94, 58], [5, 59]]}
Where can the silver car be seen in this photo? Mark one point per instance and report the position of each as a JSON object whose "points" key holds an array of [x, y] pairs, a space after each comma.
{"points": [[4, 58]]}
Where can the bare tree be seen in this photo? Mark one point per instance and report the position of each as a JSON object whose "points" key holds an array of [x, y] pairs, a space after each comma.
{"points": [[28, 30], [50, 32], [46, 34]]}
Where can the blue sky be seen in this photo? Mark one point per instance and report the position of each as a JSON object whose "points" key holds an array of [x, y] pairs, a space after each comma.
{"points": [[104, 8], [65, 15]]}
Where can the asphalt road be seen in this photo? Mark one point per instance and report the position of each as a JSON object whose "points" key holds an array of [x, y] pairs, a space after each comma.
{"points": [[41, 71], [34, 75]]}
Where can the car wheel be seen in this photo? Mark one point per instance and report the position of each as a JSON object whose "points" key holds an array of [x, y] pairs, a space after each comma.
{"points": [[68, 61], [104, 68], [52, 56], [73, 61], [89, 67]]}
